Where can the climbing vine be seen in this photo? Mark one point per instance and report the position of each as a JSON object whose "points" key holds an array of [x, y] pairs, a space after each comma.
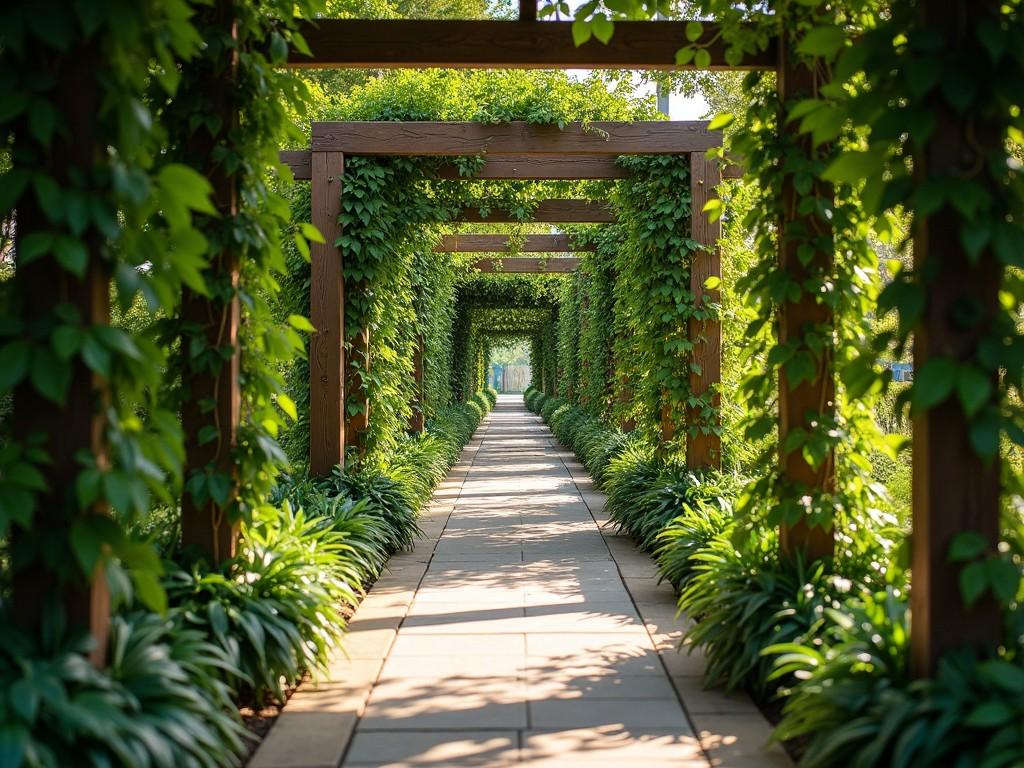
{"points": [[75, 82]]}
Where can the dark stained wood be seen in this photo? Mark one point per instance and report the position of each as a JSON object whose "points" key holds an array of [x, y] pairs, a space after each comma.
{"points": [[79, 423], [704, 450], [667, 426], [818, 395], [527, 265], [416, 421], [953, 489], [542, 168], [527, 10], [327, 313], [500, 244], [554, 211], [463, 139], [208, 529], [522, 167], [299, 161], [394, 43], [356, 424]]}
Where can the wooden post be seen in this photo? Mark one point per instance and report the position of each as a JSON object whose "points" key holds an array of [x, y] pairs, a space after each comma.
{"points": [[327, 313], [77, 425], [357, 423], [527, 10], [796, 318], [704, 450], [667, 426], [416, 422], [211, 390], [953, 489]]}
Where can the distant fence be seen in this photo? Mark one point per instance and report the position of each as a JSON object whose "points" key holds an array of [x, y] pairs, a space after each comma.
{"points": [[509, 378]]}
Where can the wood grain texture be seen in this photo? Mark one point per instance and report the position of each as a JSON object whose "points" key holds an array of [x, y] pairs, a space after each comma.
{"points": [[553, 211], [518, 138], [208, 528], [397, 43], [327, 313], [519, 265], [704, 450], [802, 402], [300, 162], [954, 489], [527, 10], [500, 244]]}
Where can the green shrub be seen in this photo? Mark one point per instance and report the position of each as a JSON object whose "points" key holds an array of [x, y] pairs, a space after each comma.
{"points": [[856, 706], [746, 599], [687, 534], [160, 703], [276, 608], [385, 497]]}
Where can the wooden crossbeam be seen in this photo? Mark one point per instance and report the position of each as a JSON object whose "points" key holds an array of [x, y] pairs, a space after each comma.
{"points": [[489, 44], [528, 168], [500, 244], [554, 211], [454, 139], [529, 265]]}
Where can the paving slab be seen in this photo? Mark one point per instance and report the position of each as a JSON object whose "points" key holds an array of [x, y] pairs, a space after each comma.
{"points": [[522, 630]]}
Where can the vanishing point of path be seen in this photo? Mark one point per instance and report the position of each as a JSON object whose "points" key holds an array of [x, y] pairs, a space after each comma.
{"points": [[521, 631]]}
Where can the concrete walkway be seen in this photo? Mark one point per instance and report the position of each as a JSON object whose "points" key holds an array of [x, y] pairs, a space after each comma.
{"points": [[521, 630]]}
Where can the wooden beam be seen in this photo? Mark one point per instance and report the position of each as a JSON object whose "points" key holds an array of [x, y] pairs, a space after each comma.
{"points": [[327, 313], [814, 399], [527, 265], [527, 10], [538, 168], [541, 169], [211, 382], [300, 162], [464, 139], [488, 44], [552, 211], [954, 489], [500, 244]]}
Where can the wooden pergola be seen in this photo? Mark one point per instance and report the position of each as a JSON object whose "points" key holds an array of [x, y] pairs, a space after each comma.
{"points": [[954, 490], [529, 152]]}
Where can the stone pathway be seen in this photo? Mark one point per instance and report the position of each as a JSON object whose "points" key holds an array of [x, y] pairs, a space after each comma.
{"points": [[521, 631]]}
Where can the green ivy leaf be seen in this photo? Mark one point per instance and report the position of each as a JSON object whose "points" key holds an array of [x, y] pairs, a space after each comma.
{"points": [[50, 375], [974, 388], [581, 32], [300, 323], [1004, 577], [694, 29], [933, 383], [967, 545], [603, 28], [822, 41], [14, 361], [973, 582]]}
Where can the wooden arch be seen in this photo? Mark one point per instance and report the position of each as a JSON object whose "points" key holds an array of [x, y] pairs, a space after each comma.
{"points": [[579, 151]]}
